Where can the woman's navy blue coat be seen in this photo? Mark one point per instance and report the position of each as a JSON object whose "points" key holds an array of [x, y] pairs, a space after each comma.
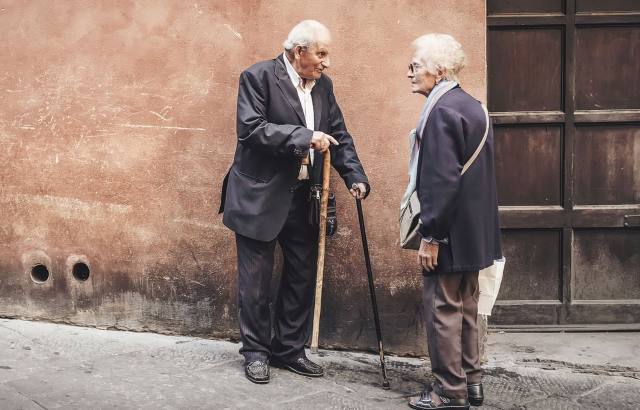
{"points": [[462, 209]]}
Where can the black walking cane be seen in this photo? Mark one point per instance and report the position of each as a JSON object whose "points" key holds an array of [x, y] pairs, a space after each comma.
{"points": [[372, 291]]}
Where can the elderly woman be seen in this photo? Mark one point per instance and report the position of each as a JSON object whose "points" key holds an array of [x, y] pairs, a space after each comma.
{"points": [[452, 171]]}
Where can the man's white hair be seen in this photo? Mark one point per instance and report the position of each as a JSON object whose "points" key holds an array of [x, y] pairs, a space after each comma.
{"points": [[307, 33], [440, 52]]}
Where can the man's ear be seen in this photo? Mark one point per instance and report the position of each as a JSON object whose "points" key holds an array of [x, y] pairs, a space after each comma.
{"points": [[297, 50]]}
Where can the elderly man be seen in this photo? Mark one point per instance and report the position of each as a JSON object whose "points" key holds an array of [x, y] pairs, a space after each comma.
{"points": [[287, 118]]}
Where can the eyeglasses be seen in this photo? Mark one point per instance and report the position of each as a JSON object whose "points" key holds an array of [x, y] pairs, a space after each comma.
{"points": [[414, 67]]}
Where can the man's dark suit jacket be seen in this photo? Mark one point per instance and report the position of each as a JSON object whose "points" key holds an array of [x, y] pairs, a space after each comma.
{"points": [[463, 209], [272, 141]]}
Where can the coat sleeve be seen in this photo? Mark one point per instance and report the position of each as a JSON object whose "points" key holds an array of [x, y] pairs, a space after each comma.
{"points": [[254, 129], [344, 157], [441, 164]]}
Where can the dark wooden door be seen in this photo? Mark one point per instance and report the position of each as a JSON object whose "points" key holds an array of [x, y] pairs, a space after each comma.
{"points": [[564, 94]]}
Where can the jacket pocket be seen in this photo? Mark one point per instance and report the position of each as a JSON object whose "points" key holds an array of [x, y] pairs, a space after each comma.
{"points": [[257, 179], [257, 166]]}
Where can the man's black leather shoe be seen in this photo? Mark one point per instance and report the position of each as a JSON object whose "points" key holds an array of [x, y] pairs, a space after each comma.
{"points": [[425, 402], [301, 365], [257, 371], [476, 394]]}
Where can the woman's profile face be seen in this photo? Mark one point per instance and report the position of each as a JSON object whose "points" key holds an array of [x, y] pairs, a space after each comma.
{"points": [[422, 82]]}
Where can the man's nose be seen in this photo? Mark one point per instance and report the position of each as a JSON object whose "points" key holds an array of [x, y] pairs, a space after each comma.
{"points": [[326, 63]]}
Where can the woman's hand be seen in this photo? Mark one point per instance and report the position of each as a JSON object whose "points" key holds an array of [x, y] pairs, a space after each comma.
{"points": [[428, 255]]}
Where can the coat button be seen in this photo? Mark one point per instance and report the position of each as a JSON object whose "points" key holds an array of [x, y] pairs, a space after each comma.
{"points": [[292, 188]]}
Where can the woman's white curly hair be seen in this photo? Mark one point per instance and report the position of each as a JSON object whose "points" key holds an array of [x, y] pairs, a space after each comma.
{"points": [[440, 52]]}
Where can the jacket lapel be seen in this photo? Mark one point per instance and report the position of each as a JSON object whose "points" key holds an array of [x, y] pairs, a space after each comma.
{"points": [[289, 92], [317, 107]]}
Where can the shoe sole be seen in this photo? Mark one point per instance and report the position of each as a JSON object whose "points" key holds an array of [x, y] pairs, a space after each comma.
{"points": [[475, 402], [413, 406], [291, 369], [256, 381]]}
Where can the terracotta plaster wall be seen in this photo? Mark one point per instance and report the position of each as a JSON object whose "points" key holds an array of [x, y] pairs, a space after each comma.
{"points": [[117, 125]]}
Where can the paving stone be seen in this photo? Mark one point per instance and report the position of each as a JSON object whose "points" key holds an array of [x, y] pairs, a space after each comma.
{"points": [[558, 384], [621, 395], [134, 387], [325, 400], [11, 399], [503, 391], [556, 404]]}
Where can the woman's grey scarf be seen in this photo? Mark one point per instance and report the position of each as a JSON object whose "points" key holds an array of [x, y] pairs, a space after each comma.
{"points": [[415, 136]]}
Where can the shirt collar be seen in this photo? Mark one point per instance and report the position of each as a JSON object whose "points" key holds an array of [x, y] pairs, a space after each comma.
{"points": [[296, 80]]}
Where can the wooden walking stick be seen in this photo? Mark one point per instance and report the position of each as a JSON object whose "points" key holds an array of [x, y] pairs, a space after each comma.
{"points": [[326, 171]]}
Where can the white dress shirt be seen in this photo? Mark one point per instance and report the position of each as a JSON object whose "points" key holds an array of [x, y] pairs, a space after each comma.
{"points": [[304, 94]]}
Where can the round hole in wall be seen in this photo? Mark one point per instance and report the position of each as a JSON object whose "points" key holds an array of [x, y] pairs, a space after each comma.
{"points": [[81, 271], [39, 273]]}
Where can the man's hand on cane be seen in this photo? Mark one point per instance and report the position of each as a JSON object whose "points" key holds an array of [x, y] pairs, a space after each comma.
{"points": [[359, 190], [321, 141]]}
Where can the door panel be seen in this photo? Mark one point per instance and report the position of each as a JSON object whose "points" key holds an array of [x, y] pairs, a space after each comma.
{"points": [[534, 271], [607, 67], [607, 265], [524, 6], [583, 6], [608, 172], [529, 156], [516, 73]]}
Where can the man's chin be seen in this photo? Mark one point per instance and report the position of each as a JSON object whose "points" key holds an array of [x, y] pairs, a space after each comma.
{"points": [[315, 76]]}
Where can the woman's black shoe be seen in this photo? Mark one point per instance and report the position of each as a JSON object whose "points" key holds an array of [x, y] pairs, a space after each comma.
{"points": [[425, 402], [257, 371], [476, 394]]}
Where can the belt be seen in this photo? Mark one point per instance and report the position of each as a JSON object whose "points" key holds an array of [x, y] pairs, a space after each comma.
{"points": [[300, 184]]}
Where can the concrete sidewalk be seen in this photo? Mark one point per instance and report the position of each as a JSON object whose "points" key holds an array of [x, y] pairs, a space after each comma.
{"points": [[52, 366]]}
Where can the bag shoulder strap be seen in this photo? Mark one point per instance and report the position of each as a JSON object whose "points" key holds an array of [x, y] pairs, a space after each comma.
{"points": [[484, 139]]}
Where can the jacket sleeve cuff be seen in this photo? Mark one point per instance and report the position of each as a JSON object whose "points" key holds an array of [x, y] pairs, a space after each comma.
{"points": [[440, 238], [431, 239], [302, 142]]}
